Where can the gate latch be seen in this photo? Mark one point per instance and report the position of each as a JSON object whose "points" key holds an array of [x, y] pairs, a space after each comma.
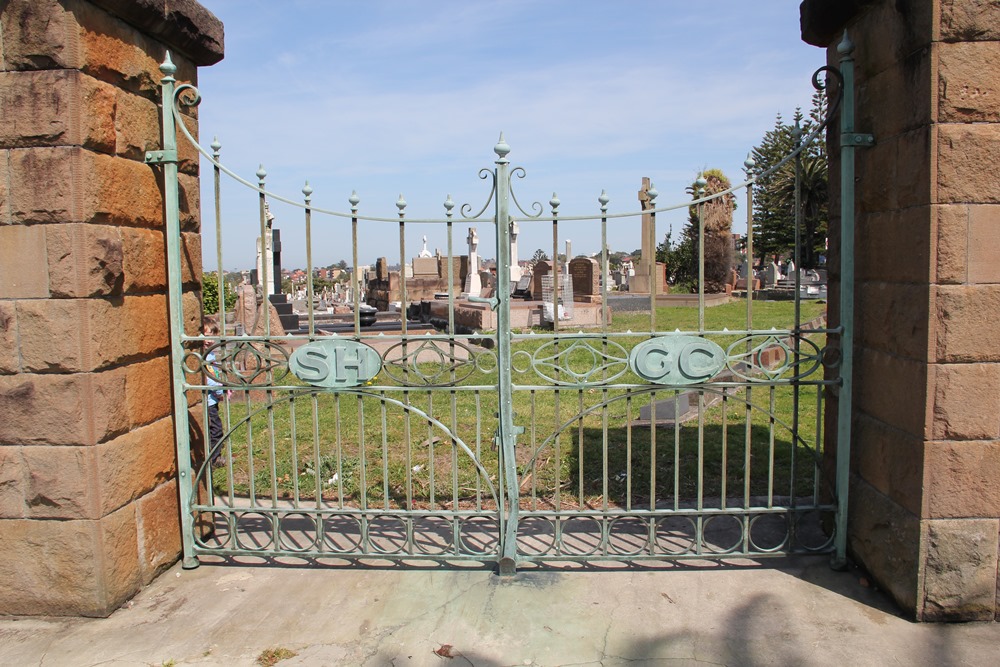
{"points": [[161, 157], [492, 301], [857, 139]]}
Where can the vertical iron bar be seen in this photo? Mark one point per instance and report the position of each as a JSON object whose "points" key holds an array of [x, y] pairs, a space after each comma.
{"points": [[307, 191], [651, 240], [217, 181], [354, 200], [265, 306]]}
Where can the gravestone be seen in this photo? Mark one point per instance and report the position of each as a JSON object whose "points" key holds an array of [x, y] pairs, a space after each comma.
{"points": [[542, 268], [585, 272]]}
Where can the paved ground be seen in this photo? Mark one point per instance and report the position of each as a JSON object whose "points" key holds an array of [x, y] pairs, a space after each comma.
{"points": [[788, 612]]}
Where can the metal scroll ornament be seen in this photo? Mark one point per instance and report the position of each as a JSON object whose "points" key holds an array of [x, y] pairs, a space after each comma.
{"points": [[335, 364], [677, 360]]}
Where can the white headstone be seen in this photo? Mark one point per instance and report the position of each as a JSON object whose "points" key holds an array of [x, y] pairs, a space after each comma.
{"points": [[473, 284], [515, 269]]}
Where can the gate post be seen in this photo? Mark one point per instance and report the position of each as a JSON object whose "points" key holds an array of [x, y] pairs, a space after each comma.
{"points": [[507, 432], [171, 205], [844, 402]]}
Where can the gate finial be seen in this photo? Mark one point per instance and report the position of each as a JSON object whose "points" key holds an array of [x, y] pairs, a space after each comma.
{"points": [[501, 149], [167, 67], [846, 46]]}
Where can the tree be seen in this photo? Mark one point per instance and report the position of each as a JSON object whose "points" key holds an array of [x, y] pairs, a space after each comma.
{"points": [[682, 259], [774, 193], [210, 293], [539, 256]]}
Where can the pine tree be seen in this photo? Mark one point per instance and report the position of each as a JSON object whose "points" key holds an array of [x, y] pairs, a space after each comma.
{"points": [[774, 193]]}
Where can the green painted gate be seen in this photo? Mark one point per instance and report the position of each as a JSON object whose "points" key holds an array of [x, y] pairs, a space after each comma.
{"points": [[507, 446]]}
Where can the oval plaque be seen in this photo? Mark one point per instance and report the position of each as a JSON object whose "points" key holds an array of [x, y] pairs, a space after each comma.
{"points": [[335, 363], [677, 360]]}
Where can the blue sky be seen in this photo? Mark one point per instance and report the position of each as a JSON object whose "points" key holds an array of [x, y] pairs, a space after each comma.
{"points": [[391, 97]]}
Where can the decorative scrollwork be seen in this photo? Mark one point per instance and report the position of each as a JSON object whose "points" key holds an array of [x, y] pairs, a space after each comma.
{"points": [[535, 206], [581, 361], [429, 363], [483, 175], [241, 363], [773, 357], [186, 95]]}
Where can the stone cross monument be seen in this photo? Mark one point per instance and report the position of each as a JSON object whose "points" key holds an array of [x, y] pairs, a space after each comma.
{"points": [[265, 253], [473, 284]]}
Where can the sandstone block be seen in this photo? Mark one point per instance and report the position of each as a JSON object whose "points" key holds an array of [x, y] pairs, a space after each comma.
{"points": [[12, 483], [961, 479], [75, 335], [984, 244], [964, 314], [891, 461], [189, 202], [115, 52], [894, 317], [914, 168], [898, 98], [54, 335], [952, 243], [84, 260], [74, 185], [134, 464], [191, 302], [48, 568], [964, 151], [966, 402], [895, 246], [876, 168], [60, 483], [158, 515], [80, 409], [5, 218], [22, 262], [967, 91], [894, 390], [185, 24], [124, 192], [145, 259], [148, 395], [886, 538], [56, 108], [969, 20], [39, 34], [886, 34], [187, 155], [191, 260], [118, 547], [136, 126], [960, 569]]}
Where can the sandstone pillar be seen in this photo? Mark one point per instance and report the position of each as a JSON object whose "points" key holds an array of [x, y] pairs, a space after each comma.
{"points": [[88, 501], [925, 491]]}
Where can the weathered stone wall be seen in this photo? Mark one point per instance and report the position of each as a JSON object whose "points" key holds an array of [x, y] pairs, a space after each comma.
{"points": [[925, 494], [88, 500]]}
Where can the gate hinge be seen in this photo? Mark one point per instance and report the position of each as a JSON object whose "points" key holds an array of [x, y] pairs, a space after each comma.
{"points": [[161, 157], [857, 139]]}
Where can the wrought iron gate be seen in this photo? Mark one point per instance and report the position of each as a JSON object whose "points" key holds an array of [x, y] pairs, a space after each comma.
{"points": [[509, 445]]}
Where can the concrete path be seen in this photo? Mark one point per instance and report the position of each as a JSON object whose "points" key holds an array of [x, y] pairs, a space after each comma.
{"points": [[781, 612]]}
